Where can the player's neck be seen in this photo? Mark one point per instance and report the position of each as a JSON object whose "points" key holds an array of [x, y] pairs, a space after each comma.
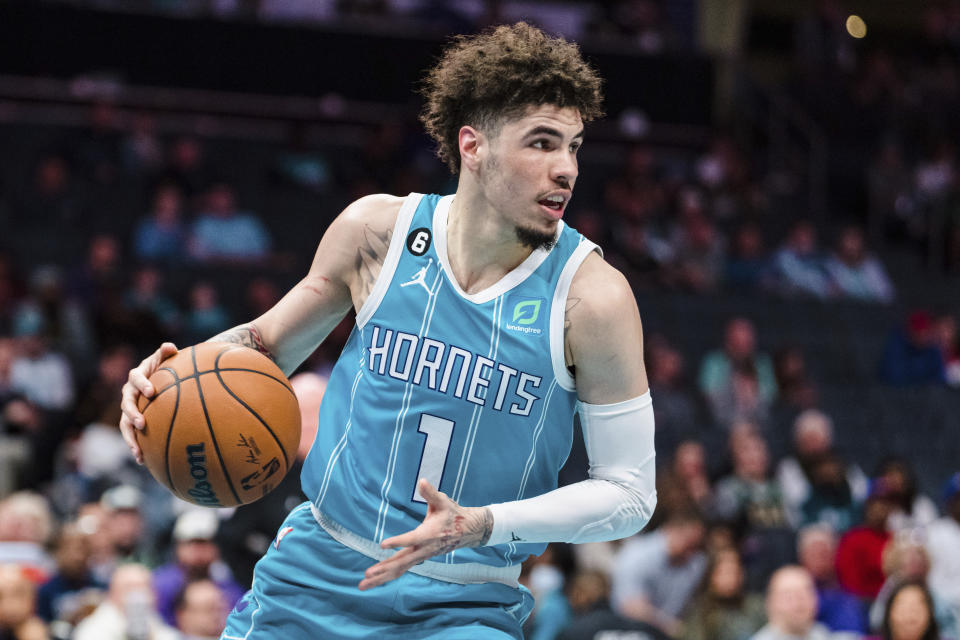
{"points": [[481, 245]]}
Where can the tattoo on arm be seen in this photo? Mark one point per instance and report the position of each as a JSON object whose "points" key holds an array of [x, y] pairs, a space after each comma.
{"points": [[370, 257], [246, 334], [469, 529], [571, 304]]}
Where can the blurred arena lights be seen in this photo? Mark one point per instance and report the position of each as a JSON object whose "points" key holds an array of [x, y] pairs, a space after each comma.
{"points": [[856, 27]]}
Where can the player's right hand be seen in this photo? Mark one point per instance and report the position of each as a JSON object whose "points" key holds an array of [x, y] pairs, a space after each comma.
{"points": [[138, 383]]}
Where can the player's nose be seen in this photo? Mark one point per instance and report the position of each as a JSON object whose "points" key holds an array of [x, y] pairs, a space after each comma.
{"points": [[564, 170]]}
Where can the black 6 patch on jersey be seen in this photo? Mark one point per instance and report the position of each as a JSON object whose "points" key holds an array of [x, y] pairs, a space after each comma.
{"points": [[418, 242]]}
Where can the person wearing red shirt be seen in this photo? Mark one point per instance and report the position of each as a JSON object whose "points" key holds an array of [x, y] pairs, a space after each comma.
{"points": [[860, 553]]}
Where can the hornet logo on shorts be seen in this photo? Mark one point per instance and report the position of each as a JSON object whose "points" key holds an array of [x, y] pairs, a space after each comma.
{"points": [[280, 536]]}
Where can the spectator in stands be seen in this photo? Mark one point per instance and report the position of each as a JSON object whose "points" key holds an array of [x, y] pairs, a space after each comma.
{"points": [[831, 499], [685, 486], [798, 265], [678, 411], [18, 620], [860, 552], [26, 525], [945, 326], [97, 146], [792, 608], [890, 192], [98, 280], [723, 609], [636, 195], [838, 609], [206, 316], [53, 201], [97, 395], [912, 355], [943, 540], [68, 595], [796, 391], [716, 378], [11, 290], [201, 610], [748, 267], [643, 255], [261, 294], [141, 149], [196, 557], [741, 400], [124, 527], [699, 252], [128, 612], [812, 441], [161, 236], [38, 372], [146, 300], [749, 497], [547, 581], [656, 574], [909, 615], [186, 168], [856, 274], [588, 593], [300, 165], [906, 560], [912, 510], [223, 233], [67, 318]]}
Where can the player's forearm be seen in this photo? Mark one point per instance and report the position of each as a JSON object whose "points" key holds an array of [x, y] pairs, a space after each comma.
{"points": [[247, 335], [617, 500], [587, 511]]}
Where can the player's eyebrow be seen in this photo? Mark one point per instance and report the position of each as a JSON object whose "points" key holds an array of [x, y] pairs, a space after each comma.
{"points": [[550, 131]]}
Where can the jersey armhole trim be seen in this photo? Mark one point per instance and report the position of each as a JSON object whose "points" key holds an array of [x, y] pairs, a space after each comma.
{"points": [[397, 242], [558, 312]]}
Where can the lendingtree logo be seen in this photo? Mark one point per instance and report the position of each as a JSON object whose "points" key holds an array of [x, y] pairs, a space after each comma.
{"points": [[525, 314]]}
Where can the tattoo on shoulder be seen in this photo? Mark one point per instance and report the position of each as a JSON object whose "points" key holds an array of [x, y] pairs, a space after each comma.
{"points": [[246, 334], [571, 304], [370, 256]]}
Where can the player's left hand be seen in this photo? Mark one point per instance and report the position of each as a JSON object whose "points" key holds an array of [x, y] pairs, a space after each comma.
{"points": [[446, 527]]}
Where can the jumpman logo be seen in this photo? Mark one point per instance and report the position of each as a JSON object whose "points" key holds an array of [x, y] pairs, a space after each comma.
{"points": [[420, 277]]}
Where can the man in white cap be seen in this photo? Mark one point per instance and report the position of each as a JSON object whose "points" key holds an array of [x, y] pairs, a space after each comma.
{"points": [[196, 557]]}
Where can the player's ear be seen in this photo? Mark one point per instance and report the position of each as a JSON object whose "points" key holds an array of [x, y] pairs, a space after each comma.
{"points": [[472, 146]]}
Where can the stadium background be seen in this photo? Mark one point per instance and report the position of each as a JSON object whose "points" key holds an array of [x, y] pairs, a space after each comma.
{"points": [[168, 166]]}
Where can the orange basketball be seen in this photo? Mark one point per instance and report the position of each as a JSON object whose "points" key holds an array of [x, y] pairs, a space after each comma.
{"points": [[223, 426]]}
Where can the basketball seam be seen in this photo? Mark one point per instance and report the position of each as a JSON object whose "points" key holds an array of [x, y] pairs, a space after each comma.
{"points": [[173, 420], [256, 415], [201, 373], [213, 436]]}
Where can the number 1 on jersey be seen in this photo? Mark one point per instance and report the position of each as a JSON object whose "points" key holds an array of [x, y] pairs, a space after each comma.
{"points": [[438, 432]]}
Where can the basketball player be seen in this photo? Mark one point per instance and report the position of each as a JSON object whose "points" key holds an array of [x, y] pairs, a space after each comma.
{"points": [[482, 322]]}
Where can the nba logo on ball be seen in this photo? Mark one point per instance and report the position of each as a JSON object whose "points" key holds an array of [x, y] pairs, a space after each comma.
{"points": [[526, 315]]}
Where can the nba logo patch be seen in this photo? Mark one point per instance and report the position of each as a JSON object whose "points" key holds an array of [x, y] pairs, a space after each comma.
{"points": [[280, 536], [525, 315]]}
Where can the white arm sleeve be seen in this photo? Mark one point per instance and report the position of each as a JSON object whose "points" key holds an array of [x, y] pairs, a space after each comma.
{"points": [[616, 501]]}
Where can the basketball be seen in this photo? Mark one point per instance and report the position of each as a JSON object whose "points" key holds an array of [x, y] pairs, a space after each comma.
{"points": [[222, 428]]}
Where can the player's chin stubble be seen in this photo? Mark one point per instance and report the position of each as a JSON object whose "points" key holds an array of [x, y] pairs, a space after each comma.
{"points": [[533, 239]]}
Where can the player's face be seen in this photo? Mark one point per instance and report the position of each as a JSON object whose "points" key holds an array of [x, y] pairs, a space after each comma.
{"points": [[530, 169]]}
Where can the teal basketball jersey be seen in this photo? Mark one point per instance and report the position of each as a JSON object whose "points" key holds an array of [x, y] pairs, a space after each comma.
{"points": [[469, 391]]}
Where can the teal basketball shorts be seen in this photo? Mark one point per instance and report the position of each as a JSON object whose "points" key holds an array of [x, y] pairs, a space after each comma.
{"points": [[305, 588]]}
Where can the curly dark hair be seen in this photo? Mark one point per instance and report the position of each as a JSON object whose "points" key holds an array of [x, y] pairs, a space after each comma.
{"points": [[482, 80]]}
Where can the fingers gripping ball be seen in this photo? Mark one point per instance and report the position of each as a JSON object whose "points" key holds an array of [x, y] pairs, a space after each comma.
{"points": [[223, 426]]}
